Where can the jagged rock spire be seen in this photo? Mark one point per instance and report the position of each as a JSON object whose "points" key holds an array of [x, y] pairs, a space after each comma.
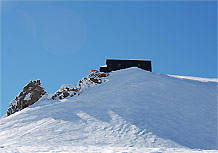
{"points": [[31, 93]]}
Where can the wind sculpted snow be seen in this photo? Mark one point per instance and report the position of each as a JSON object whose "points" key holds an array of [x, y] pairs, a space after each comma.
{"points": [[133, 109]]}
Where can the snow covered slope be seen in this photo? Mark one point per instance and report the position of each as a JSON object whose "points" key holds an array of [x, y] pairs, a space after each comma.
{"points": [[134, 110]]}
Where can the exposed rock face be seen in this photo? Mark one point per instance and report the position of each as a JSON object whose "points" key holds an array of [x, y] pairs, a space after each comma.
{"points": [[65, 91], [94, 78], [31, 93]]}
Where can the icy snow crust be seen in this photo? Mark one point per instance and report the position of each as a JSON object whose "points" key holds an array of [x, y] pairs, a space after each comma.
{"points": [[134, 111]]}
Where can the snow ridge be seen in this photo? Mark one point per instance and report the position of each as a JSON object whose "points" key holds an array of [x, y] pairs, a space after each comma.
{"points": [[135, 111]]}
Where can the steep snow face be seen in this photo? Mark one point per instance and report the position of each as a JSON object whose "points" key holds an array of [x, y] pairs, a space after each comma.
{"points": [[134, 108]]}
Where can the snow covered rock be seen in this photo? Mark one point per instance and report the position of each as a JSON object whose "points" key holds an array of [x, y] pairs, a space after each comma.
{"points": [[31, 93], [92, 79], [66, 90]]}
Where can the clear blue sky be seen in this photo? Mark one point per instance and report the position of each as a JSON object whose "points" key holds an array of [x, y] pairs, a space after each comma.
{"points": [[60, 42]]}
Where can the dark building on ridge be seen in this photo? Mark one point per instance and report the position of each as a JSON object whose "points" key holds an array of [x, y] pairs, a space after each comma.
{"points": [[114, 64]]}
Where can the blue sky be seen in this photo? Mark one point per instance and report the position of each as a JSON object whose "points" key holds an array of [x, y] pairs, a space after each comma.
{"points": [[60, 42]]}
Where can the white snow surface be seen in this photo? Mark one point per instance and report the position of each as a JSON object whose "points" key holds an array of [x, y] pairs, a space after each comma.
{"points": [[28, 96], [196, 78], [104, 66], [134, 111]]}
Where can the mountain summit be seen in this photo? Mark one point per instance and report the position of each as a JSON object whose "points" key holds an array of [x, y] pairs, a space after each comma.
{"points": [[133, 110]]}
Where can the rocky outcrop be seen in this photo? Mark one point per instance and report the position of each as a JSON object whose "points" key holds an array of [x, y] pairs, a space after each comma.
{"points": [[31, 93], [65, 91], [94, 78]]}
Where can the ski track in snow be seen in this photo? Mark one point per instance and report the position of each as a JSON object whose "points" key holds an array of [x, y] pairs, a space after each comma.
{"points": [[135, 111]]}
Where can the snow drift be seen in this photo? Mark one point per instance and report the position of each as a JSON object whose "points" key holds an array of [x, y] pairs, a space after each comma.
{"points": [[134, 108]]}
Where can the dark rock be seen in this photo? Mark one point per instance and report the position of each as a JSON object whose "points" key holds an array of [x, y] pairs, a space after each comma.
{"points": [[31, 93]]}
